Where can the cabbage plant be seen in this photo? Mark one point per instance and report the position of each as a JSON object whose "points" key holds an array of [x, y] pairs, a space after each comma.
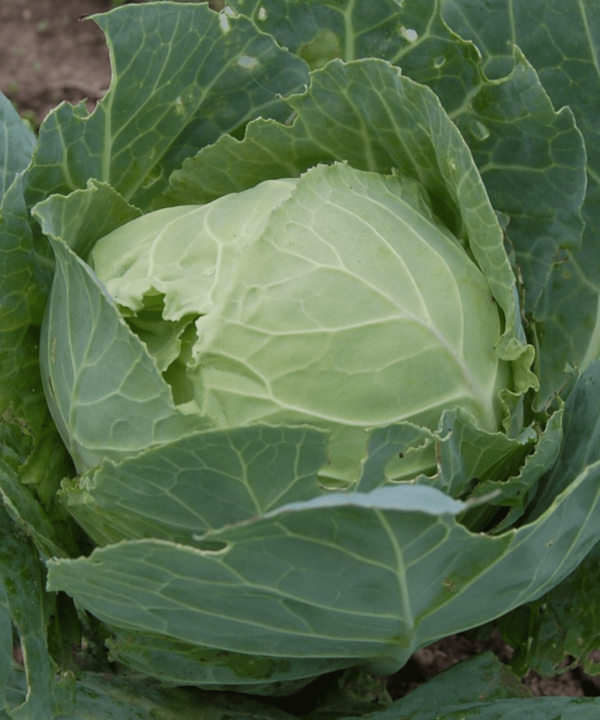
{"points": [[299, 367]]}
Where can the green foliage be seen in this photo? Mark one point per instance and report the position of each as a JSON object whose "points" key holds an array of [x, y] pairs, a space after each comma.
{"points": [[217, 472]]}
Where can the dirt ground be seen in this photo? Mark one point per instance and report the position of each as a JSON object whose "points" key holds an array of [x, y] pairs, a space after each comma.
{"points": [[49, 53]]}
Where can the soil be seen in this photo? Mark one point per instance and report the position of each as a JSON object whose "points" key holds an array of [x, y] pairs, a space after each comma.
{"points": [[49, 53]]}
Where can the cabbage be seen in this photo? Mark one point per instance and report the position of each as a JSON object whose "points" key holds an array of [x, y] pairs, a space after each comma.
{"points": [[337, 300], [299, 340]]}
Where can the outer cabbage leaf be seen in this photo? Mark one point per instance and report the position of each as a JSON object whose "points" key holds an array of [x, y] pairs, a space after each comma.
{"points": [[52, 537], [559, 625], [25, 279], [163, 105], [322, 31], [367, 576], [181, 663], [102, 408], [564, 629], [561, 40], [179, 490], [26, 276], [84, 216]]}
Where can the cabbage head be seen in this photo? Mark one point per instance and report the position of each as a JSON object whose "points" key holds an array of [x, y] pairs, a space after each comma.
{"points": [[336, 300]]}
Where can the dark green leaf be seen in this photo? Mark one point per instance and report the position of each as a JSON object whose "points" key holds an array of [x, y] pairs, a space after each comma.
{"points": [[560, 39], [371, 576], [22, 596], [25, 276], [177, 662], [204, 481], [16, 144], [162, 106], [483, 688]]}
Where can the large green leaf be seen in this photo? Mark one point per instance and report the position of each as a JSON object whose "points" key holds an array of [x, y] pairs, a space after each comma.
{"points": [[566, 622], [26, 267], [581, 444], [162, 105], [103, 407], [179, 490], [330, 29], [542, 708], [561, 41], [567, 633], [370, 576]]}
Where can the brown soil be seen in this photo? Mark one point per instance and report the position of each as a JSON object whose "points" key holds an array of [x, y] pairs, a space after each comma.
{"points": [[50, 53]]}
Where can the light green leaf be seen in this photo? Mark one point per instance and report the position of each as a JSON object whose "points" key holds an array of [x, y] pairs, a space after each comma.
{"points": [[84, 216], [162, 105], [102, 409], [316, 325], [181, 489]]}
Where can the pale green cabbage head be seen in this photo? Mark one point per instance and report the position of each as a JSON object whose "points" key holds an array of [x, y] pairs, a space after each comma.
{"points": [[336, 300]]}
